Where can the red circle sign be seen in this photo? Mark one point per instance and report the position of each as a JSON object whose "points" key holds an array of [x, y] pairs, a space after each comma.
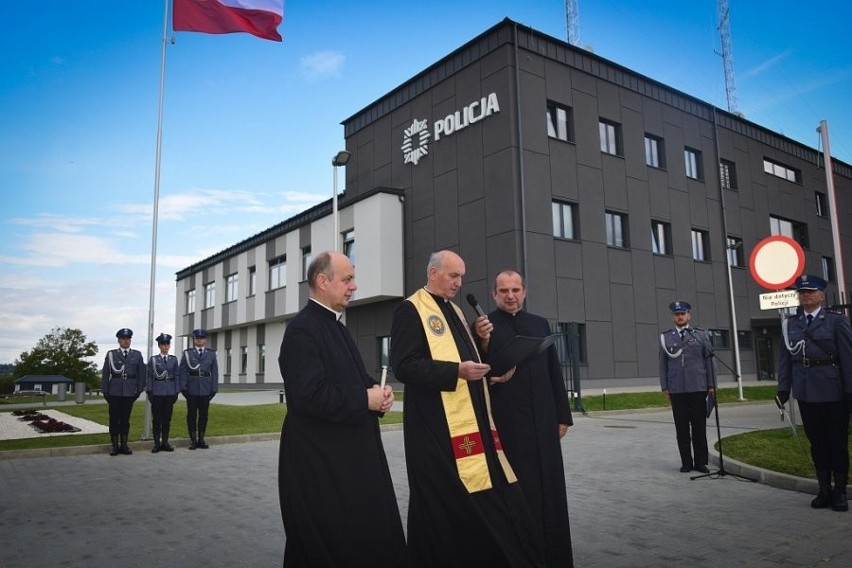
{"points": [[776, 262]]}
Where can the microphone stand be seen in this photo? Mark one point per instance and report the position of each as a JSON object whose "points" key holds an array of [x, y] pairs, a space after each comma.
{"points": [[708, 351]]}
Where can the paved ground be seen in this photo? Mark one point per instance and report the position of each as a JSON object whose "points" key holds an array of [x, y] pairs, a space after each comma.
{"points": [[630, 507]]}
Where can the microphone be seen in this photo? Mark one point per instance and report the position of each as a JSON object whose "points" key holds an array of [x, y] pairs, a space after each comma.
{"points": [[471, 299]]}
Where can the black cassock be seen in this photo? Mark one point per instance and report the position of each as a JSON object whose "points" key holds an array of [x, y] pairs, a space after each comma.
{"points": [[528, 410], [447, 526], [335, 489]]}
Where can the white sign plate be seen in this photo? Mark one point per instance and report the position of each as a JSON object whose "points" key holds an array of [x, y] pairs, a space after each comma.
{"points": [[777, 300]]}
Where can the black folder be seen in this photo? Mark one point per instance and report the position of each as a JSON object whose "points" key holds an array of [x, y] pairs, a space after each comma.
{"points": [[519, 350]]}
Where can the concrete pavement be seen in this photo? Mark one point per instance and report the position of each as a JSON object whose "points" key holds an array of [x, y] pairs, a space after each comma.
{"points": [[630, 507]]}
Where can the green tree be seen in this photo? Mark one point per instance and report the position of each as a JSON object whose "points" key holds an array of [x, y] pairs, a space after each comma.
{"points": [[61, 352]]}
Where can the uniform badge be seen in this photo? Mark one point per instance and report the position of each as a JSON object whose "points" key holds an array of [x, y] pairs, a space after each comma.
{"points": [[436, 324]]}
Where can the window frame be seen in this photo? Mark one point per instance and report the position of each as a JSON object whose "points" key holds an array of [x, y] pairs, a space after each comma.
{"points": [[622, 233]]}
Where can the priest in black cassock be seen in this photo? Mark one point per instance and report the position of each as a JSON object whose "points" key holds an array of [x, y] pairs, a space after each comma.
{"points": [[335, 489], [465, 505], [532, 413]]}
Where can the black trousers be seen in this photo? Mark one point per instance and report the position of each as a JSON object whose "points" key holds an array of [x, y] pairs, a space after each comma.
{"points": [[690, 418], [196, 413], [120, 408], [161, 415], [826, 425]]}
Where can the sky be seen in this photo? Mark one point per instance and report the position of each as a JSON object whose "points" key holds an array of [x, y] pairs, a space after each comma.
{"points": [[250, 125]]}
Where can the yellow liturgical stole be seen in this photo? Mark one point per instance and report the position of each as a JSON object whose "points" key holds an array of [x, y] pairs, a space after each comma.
{"points": [[465, 436]]}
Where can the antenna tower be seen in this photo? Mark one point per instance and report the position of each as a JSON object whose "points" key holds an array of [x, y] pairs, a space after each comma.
{"points": [[572, 16], [727, 55]]}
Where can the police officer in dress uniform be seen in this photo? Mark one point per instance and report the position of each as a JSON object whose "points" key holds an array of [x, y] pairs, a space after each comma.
{"points": [[687, 377], [815, 363], [199, 383], [122, 380], [162, 389]]}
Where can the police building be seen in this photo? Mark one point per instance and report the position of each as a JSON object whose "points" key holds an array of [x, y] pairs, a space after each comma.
{"points": [[612, 193]]}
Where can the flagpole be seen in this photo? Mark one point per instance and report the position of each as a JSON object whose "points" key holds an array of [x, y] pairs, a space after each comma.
{"points": [[146, 434], [832, 212]]}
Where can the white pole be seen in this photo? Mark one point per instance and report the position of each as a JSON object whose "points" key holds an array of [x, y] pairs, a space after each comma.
{"points": [[146, 434], [832, 210]]}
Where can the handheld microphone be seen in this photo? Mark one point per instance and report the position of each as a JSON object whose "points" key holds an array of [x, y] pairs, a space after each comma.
{"points": [[471, 299]]}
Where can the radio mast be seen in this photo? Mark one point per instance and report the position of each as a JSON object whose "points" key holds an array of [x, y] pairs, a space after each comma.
{"points": [[572, 15], [727, 55]]}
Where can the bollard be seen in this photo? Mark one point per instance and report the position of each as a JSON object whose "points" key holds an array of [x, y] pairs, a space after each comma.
{"points": [[281, 396]]}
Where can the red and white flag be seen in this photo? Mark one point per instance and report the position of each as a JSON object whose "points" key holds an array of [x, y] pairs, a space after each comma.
{"points": [[257, 17]]}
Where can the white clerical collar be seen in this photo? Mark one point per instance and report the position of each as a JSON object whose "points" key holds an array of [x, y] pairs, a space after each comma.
{"points": [[337, 315], [434, 294]]}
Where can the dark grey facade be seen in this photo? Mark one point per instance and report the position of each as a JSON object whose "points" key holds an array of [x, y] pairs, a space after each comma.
{"points": [[490, 191], [614, 194]]}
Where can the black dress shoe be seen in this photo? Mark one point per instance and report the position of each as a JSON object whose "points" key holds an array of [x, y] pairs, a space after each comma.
{"points": [[822, 500], [702, 469], [839, 502], [685, 468], [156, 448], [167, 447]]}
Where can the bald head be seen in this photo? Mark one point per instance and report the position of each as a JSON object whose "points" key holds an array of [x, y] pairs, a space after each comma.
{"points": [[444, 274]]}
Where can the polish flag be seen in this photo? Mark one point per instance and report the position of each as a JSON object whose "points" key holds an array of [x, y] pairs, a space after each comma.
{"points": [[257, 17]]}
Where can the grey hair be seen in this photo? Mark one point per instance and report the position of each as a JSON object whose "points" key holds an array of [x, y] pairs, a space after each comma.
{"points": [[321, 264]]}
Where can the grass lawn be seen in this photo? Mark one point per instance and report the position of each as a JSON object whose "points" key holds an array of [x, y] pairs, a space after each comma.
{"points": [[225, 420]]}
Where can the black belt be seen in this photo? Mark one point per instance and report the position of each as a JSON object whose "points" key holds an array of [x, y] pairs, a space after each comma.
{"points": [[818, 362], [199, 374], [167, 379], [124, 377]]}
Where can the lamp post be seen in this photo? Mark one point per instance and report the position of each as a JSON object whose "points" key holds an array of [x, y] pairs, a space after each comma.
{"points": [[340, 159]]}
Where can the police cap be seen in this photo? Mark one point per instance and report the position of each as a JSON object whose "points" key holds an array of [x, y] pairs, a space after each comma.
{"points": [[124, 332], [199, 333], [679, 306], [164, 338], [810, 282]]}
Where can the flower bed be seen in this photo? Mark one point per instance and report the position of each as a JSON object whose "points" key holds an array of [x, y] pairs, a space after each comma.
{"points": [[44, 424]]}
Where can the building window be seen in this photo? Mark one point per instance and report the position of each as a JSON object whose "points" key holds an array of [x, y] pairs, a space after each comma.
{"points": [[821, 204], [719, 338], [243, 360], [278, 273], [616, 230], [692, 160], [828, 269], [349, 245], [383, 342], [778, 169], [232, 288], [728, 174], [654, 152], [795, 230], [228, 354], [564, 216], [306, 262], [261, 358], [700, 245], [610, 137], [559, 122], [661, 237], [252, 281], [735, 251], [190, 301], [209, 295]]}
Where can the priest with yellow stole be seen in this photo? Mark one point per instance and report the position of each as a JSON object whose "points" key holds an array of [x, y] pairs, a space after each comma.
{"points": [[466, 507]]}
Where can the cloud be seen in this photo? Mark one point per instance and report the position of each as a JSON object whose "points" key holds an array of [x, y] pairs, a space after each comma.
{"points": [[321, 65], [766, 65]]}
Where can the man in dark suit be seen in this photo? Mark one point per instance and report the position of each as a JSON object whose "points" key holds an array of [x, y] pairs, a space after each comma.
{"points": [[687, 378], [122, 380], [815, 363], [199, 383], [163, 387]]}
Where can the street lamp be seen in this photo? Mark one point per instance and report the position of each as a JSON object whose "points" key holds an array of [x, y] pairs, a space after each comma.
{"points": [[341, 159]]}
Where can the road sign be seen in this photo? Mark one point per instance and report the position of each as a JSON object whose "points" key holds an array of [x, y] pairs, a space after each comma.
{"points": [[776, 262], [778, 300]]}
